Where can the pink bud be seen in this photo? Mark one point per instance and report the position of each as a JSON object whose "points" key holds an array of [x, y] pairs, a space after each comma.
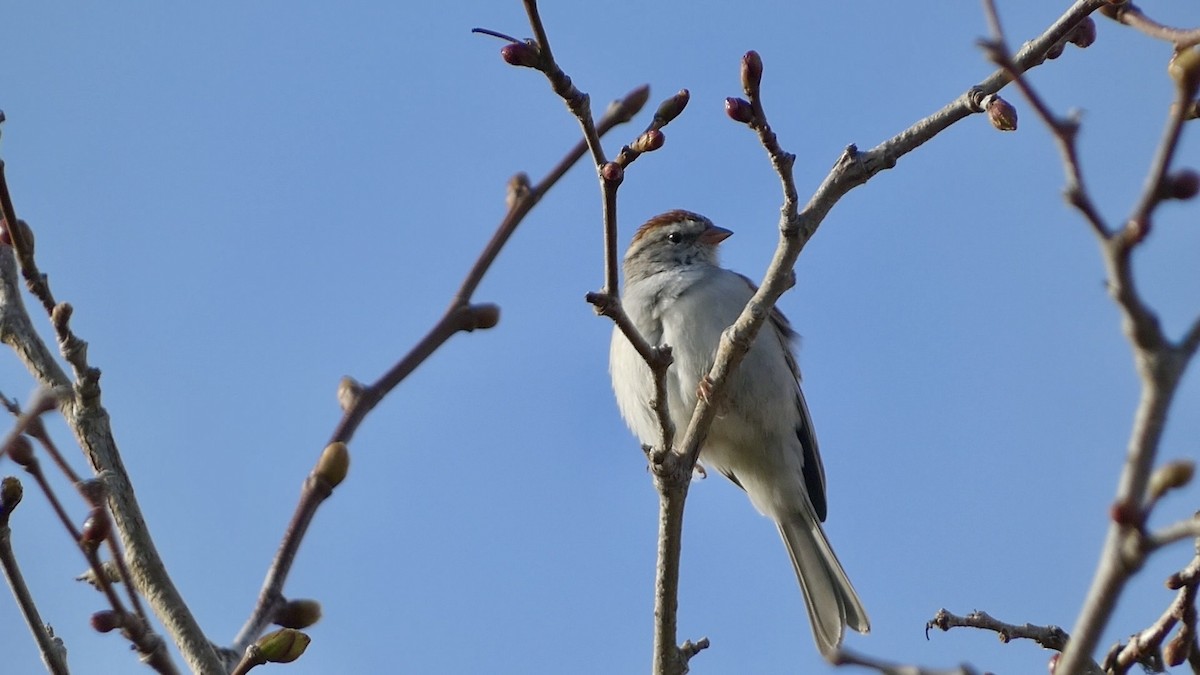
{"points": [[752, 68], [739, 110], [1002, 114], [520, 54]]}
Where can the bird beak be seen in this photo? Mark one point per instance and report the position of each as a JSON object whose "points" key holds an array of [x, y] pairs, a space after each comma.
{"points": [[714, 235]]}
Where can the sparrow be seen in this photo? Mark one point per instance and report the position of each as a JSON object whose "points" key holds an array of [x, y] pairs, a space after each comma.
{"points": [[676, 293]]}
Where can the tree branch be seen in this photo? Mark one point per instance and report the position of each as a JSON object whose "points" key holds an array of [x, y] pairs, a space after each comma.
{"points": [[1159, 363], [89, 422], [1131, 15], [461, 315]]}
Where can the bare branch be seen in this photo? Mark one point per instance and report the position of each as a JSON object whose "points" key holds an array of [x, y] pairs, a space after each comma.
{"points": [[1160, 363], [1050, 637], [89, 422], [461, 315], [53, 654], [1131, 15], [1146, 647]]}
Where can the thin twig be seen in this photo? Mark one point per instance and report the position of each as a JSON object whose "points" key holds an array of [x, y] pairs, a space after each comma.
{"points": [[461, 315], [1146, 647], [52, 653], [1159, 362], [90, 424], [1050, 637], [1131, 15]]}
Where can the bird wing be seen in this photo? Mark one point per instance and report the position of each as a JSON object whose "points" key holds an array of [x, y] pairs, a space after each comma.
{"points": [[814, 470]]}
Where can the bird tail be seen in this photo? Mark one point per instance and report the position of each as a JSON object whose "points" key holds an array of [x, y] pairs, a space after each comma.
{"points": [[831, 600]]}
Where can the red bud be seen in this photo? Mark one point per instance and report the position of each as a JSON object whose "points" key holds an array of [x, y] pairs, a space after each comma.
{"points": [[649, 141], [612, 173], [520, 54], [751, 71], [739, 110], [1002, 114], [21, 451], [1183, 184], [1084, 34]]}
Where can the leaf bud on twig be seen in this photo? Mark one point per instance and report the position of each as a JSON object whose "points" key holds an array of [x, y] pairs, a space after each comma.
{"points": [[649, 141], [107, 620], [612, 173], [283, 646], [1176, 651], [520, 54], [298, 614], [1184, 68], [96, 528], [21, 452], [11, 493], [1083, 34], [739, 110], [486, 315], [1183, 184], [348, 392], [334, 464], [518, 188], [1171, 475], [751, 71], [1001, 113], [1125, 513], [670, 108]]}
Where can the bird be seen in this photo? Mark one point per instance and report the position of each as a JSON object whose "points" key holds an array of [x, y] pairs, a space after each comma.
{"points": [[676, 293]]}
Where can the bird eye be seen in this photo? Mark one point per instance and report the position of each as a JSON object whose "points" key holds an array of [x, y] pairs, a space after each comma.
{"points": [[674, 237]]}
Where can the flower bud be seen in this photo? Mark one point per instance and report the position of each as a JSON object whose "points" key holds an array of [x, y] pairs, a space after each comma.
{"points": [[1171, 475], [1184, 68], [670, 108], [334, 464], [1083, 34], [1183, 184], [486, 315], [612, 173], [739, 110], [1001, 114], [1054, 52], [94, 491], [520, 54], [1176, 651], [11, 493], [21, 452], [26, 233], [282, 646], [518, 188], [1124, 513], [751, 71], [96, 528], [348, 392], [107, 620], [649, 141], [298, 614]]}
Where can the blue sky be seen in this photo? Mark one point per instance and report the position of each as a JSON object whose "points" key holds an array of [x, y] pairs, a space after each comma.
{"points": [[246, 202]]}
